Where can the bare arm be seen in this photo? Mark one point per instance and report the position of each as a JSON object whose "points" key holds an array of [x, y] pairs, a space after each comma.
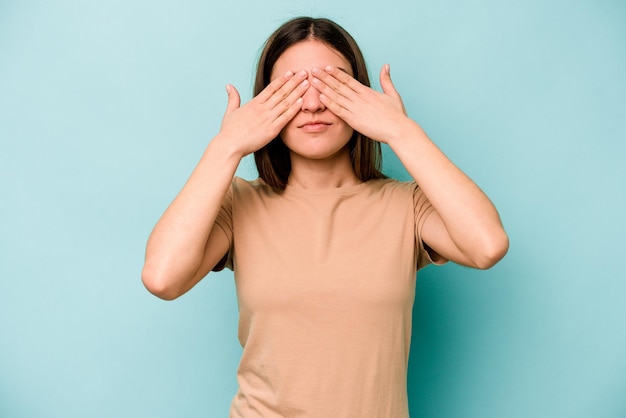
{"points": [[177, 246], [185, 244], [465, 226]]}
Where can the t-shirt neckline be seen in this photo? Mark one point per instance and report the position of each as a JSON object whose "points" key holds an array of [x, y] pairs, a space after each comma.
{"points": [[329, 191]]}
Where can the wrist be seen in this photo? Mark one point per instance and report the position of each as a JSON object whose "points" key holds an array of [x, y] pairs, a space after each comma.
{"points": [[406, 131], [227, 147]]}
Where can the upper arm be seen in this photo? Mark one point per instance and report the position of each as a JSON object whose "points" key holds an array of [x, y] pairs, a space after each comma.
{"points": [[170, 284], [435, 236], [217, 247]]}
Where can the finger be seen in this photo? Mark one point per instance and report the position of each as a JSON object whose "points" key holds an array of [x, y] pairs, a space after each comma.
{"points": [[337, 79], [281, 86], [234, 100], [333, 95], [386, 83], [278, 98], [292, 103], [337, 108], [273, 86], [283, 118], [285, 109]]}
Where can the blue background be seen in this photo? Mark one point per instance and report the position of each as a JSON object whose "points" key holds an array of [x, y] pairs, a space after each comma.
{"points": [[105, 108]]}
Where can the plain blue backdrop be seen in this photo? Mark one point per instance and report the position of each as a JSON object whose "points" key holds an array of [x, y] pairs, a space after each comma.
{"points": [[105, 108]]}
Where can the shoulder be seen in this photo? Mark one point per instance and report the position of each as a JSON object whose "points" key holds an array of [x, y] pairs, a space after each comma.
{"points": [[243, 184], [406, 194], [246, 189], [391, 186]]}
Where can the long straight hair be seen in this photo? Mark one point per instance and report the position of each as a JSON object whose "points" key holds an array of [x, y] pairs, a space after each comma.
{"points": [[273, 161]]}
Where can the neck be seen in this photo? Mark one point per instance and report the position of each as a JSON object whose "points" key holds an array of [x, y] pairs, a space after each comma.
{"points": [[328, 173]]}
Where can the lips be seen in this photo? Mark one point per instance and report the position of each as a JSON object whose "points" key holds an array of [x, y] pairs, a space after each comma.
{"points": [[314, 123], [314, 126]]}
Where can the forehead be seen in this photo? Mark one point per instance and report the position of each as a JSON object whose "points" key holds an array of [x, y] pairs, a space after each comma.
{"points": [[308, 54]]}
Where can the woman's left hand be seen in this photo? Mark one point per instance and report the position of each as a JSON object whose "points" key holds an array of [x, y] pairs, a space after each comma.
{"points": [[379, 116]]}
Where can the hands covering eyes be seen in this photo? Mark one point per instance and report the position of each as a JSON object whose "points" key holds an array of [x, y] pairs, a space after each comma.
{"points": [[374, 114], [255, 124]]}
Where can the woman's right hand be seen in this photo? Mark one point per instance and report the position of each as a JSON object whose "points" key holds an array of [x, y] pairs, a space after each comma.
{"points": [[252, 126]]}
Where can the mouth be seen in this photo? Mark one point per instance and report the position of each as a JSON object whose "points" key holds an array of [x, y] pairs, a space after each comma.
{"points": [[315, 126]]}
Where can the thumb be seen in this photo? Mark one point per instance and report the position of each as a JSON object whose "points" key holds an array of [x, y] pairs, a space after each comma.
{"points": [[385, 82], [234, 99]]}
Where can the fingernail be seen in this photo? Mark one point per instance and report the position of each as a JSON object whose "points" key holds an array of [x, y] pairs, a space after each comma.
{"points": [[315, 81], [302, 73], [288, 74], [329, 68], [315, 70], [305, 83]]}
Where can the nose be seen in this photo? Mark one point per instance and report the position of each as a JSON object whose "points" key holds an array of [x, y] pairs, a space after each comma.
{"points": [[311, 100]]}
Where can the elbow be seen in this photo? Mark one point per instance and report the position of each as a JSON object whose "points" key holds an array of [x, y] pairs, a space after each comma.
{"points": [[155, 281], [494, 249]]}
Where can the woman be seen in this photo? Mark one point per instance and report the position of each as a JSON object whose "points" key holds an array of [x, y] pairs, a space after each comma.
{"points": [[324, 248]]}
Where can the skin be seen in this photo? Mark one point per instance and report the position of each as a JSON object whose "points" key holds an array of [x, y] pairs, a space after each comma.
{"points": [[319, 154], [310, 83]]}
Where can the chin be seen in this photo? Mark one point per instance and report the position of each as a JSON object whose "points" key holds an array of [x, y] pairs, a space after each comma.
{"points": [[318, 146], [318, 153]]}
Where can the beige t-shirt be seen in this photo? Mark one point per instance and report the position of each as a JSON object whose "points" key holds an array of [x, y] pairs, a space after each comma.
{"points": [[325, 282]]}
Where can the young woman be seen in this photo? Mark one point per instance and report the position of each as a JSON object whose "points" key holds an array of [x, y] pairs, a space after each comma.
{"points": [[324, 247]]}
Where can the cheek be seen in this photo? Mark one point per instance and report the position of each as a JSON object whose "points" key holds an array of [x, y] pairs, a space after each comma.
{"points": [[347, 129], [288, 129]]}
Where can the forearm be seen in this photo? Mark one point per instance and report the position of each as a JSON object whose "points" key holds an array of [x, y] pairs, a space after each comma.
{"points": [[470, 218], [181, 248], [177, 244]]}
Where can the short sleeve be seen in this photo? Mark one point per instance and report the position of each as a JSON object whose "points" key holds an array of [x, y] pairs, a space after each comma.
{"points": [[224, 220], [422, 209]]}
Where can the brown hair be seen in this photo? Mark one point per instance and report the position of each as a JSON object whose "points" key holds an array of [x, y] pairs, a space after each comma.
{"points": [[272, 161]]}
